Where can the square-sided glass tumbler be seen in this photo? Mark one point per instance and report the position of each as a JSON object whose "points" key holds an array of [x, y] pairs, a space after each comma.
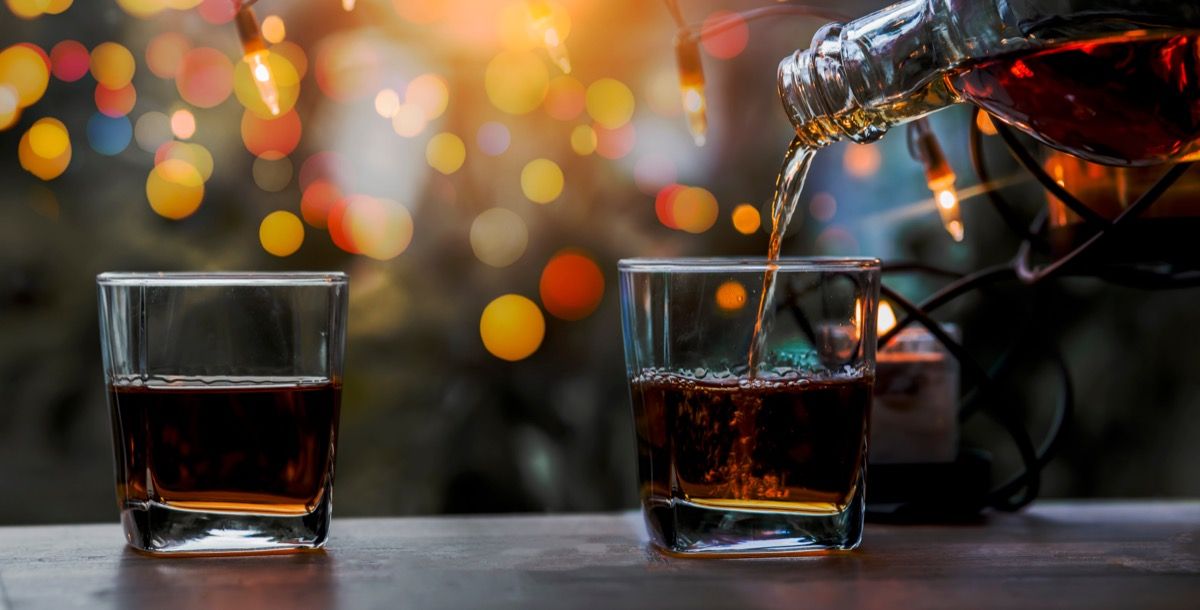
{"points": [[748, 454], [224, 390]]}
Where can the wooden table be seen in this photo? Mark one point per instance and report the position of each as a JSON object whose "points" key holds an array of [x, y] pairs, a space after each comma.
{"points": [[1055, 555]]}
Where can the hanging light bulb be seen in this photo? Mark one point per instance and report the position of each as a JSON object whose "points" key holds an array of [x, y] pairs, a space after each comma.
{"points": [[255, 54], [691, 85], [348, 5], [940, 178], [541, 17]]}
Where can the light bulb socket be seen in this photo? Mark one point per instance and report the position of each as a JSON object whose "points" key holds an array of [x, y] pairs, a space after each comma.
{"points": [[248, 31]]}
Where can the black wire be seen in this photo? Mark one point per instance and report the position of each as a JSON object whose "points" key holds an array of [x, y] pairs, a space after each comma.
{"points": [[999, 203], [1025, 158]]}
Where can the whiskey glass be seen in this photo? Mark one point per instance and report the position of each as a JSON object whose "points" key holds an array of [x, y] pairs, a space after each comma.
{"points": [[735, 459], [224, 391]]}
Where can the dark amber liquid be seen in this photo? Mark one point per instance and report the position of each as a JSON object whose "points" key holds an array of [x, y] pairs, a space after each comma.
{"points": [[1130, 99], [265, 449], [773, 445]]}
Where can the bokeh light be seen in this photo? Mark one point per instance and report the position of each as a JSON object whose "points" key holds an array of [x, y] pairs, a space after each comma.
{"points": [[205, 77], [387, 102], [583, 140], [31, 9], [217, 12], [379, 228], [152, 130], [430, 93], [571, 285], [165, 53], [541, 181], [273, 29], [183, 124], [112, 65], [281, 233], [294, 54], [516, 81], [52, 137], [615, 143], [984, 121], [23, 69], [109, 135], [271, 137], [193, 154], [731, 40], [10, 109], [446, 153], [318, 199], [272, 174], [822, 206], [70, 61], [664, 203], [142, 8], [565, 98], [661, 90], [694, 209], [498, 237], [731, 295], [115, 102], [861, 160], [746, 219], [512, 327], [409, 120], [610, 103], [492, 138], [174, 189], [284, 77]]}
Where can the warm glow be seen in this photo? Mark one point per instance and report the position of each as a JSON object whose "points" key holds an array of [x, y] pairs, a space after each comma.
{"points": [[516, 82], [43, 167], [861, 160], [347, 5], [746, 219], [694, 209], [541, 181], [565, 99], [183, 124], [194, 155], [571, 285], [115, 102], [546, 30], [48, 138], [10, 110], [886, 318], [112, 65], [691, 88], [387, 102], [281, 233], [446, 153], [948, 209], [204, 78], [664, 203], [273, 29], [731, 40], [615, 143], [264, 79], [512, 327], [23, 69], [610, 103], [174, 189], [498, 237], [583, 140], [731, 296], [165, 53], [430, 93], [318, 199], [408, 121], [984, 121], [271, 137], [379, 228]]}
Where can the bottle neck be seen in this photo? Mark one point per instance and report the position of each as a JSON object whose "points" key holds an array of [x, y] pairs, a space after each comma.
{"points": [[859, 79]]}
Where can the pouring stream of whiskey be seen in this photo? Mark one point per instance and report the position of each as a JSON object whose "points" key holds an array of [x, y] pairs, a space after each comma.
{"points": [[788, 185]]}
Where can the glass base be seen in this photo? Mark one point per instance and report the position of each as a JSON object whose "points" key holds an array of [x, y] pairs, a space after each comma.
{"points": [[686, 529], [159, 529]]}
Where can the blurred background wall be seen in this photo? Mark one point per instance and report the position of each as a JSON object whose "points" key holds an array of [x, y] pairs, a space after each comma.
{"points": [[447, 122]]}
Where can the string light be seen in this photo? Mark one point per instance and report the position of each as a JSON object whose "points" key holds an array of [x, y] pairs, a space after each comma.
{"points": [[541, 17], [924, 146], [255, 54], [691, 85]]}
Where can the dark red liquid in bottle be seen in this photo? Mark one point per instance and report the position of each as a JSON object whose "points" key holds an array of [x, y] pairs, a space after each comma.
{"points": [[1130, 99]]}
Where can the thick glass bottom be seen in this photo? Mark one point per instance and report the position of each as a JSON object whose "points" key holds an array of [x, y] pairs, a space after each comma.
{"points": [[685, 528], [159, 529]]}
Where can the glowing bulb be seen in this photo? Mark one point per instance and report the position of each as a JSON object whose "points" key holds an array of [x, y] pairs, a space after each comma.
{"points": [[256, 54], [938, 175], [541, 17], [348, 5], [946, 197], [886, 318], [691, 86]]}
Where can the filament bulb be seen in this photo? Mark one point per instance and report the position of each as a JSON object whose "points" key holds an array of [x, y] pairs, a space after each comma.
{"points": [[255, 54], [348, 5], [541, 18], [940, 178], [691, 86]]}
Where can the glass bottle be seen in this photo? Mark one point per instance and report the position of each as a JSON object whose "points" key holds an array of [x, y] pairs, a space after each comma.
{"points": [[1112, 81]]}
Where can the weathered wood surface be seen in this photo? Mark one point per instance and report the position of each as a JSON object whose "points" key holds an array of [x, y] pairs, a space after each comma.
{"points": [[1055, 555]]}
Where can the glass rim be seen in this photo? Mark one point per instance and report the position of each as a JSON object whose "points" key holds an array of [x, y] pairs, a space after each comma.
{"points": [[697, 264], [221, 278]]}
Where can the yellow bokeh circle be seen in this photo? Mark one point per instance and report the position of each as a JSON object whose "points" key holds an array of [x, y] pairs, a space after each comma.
{"points": [[541, 181], [516, 81], [694, 209], [48, 138], [446, 153], [174, 189], [22, 69], [430, 93], [731, 296], [584, 140], [610, 103], [746, 219], [43, 167], [273, 29], [281, 233], [512, 327], [112, 65], [379, 228], [142, 8]]}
